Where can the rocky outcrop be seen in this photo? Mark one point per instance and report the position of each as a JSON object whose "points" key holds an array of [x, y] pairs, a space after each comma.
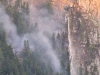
{"points": [[83, 42]]}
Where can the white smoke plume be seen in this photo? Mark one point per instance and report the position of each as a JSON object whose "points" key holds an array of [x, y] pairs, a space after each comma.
{"points": [[38, 39]]}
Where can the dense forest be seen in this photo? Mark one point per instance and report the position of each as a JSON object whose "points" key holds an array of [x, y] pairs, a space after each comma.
{"points": [[28, 62]]}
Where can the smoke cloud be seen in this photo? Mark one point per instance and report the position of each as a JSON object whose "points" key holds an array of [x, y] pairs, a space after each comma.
{"points": [[39, 38]]}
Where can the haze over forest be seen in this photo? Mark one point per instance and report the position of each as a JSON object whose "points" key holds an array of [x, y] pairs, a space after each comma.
{"points": [[49, 37]]}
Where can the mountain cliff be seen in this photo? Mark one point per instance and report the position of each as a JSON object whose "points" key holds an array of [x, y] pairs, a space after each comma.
{"points": [[84, 39], [36, 40]]}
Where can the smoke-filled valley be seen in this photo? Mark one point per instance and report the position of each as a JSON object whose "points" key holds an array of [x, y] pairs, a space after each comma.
{"points": [[49, 37]]}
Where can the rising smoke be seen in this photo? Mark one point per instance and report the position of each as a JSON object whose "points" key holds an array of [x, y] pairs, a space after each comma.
{"points": [[38, 38]]}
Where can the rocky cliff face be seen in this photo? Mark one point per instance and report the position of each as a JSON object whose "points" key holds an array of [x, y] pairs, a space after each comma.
{"points": [[91, 6], [84, 40]]}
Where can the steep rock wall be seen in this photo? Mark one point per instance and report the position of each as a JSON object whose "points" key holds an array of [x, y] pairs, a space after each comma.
{"points": [[83, 43]]}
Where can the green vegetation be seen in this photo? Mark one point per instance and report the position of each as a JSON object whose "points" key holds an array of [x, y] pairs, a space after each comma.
{"points": [[28, 63], [9, 64]]}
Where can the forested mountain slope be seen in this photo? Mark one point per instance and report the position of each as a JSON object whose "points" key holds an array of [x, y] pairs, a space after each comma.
{"points": [[36, 40], [32, 40]]}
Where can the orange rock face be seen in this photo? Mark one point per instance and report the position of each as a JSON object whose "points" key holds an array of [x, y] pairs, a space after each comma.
{"points": [[91, 5]]}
